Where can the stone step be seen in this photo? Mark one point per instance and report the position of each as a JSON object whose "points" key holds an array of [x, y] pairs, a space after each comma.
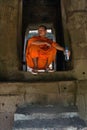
{"points": [[48, 111], [75, 123], [35, 117]]}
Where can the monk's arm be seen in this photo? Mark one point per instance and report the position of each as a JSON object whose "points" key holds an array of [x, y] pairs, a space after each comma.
{"points": [[60, 48], [40, 43]]}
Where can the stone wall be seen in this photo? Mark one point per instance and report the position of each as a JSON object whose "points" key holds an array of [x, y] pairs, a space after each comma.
{"points": [[74, 15], [11, 95], [82, 99], [8, 36], [16, 94]]}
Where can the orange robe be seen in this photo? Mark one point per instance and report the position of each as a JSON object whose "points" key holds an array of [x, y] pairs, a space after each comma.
{"points": [[42, 52]]}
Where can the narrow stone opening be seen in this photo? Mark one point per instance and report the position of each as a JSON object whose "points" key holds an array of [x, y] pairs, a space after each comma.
{"points": [[47, 13]]}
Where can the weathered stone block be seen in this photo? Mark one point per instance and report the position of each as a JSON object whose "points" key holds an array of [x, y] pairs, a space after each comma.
{"points": [[10, 103], [82, 87], [75, 5], [80, 69], [79, 50], [6, 120], [8, 35], [81, 106]]}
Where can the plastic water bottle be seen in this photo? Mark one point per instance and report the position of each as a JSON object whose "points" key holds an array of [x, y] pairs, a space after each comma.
{"points": [[66, 53]]}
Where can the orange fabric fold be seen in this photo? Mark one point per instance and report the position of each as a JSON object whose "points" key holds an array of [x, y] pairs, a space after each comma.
{"points": [[42, 52]]}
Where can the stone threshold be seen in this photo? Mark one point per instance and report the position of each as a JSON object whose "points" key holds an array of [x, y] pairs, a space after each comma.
{"points": [[21, 76]]}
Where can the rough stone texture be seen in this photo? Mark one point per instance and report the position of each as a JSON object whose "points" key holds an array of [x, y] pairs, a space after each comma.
{"points": [[66, 93], [75, 24], [41, 93], [13, 95], [81, 65], [6, 120], [48, 116], [82, 98], [74, 15], [10, 103], [8, 36], [75, 5]]}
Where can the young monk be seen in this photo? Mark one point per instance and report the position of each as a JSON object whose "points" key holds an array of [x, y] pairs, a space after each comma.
{"points": [[41, 51]]}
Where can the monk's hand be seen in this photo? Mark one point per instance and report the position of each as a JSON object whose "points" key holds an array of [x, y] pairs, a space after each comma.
{"points": [[48, 44], [69, 53]]}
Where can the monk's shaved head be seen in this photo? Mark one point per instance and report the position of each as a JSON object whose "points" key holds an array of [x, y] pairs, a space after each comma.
{"points": [[43, 26]]}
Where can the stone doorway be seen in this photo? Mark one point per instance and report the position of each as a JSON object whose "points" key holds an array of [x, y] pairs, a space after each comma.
{"points": [[46, 12]]}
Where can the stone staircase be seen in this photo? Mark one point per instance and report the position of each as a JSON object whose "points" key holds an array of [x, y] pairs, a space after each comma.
{"points": [[49, 117]]}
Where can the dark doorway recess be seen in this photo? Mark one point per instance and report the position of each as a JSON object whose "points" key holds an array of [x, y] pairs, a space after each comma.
{"points": [[36, 12]]}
